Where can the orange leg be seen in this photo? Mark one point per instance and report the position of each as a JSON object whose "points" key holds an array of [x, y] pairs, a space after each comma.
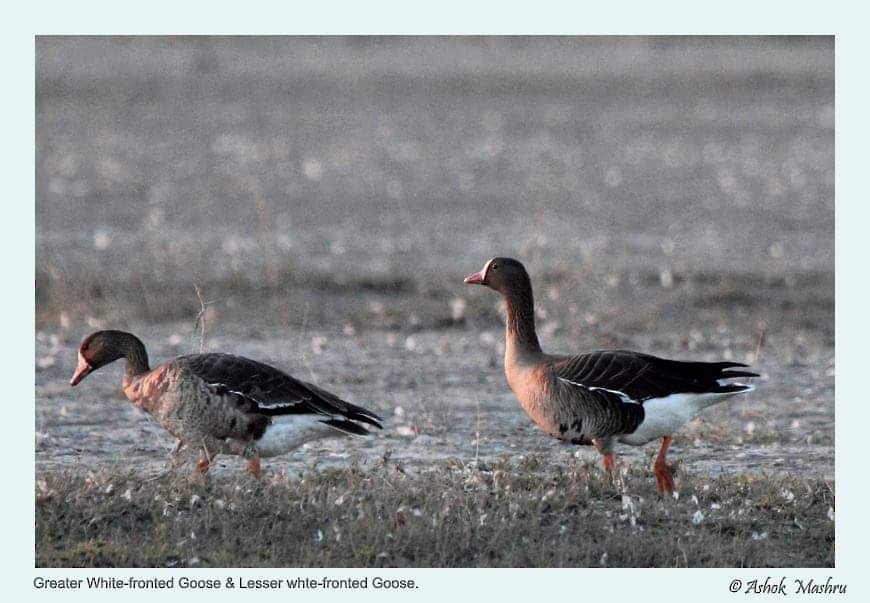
{"points": [[253, 466], [201, 469], [664, 475], [609, 459]]}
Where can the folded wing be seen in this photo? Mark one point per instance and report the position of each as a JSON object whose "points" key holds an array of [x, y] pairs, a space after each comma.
{"points": [[637, 377], [267, 391]]}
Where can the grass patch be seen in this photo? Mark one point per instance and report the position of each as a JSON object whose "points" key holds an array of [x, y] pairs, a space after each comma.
{"points": [[455, 515]]}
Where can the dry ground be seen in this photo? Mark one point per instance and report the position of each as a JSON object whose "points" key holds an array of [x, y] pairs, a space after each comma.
{"points": [[455, 515]]}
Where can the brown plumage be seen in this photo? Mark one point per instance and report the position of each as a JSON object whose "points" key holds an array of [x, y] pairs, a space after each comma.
{"points": [[224, 404], [600, 397]]}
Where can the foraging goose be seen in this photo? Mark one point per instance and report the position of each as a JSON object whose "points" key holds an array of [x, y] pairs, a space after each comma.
{"points": [[601, 397], [224, 404]]}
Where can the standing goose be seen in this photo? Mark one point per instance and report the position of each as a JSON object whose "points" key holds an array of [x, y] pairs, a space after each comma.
{"points": [[601, 397], [224, 404]]}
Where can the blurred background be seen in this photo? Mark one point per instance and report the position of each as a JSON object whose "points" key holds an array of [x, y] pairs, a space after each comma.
{"points": [[328, 195]]}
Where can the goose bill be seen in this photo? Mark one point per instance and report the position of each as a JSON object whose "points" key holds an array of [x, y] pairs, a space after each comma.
{"points": [[476, 278], [82, 371]]}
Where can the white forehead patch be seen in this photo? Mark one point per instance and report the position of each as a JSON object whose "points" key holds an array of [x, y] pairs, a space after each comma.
{"points": [[486, 268], [82, 360]]}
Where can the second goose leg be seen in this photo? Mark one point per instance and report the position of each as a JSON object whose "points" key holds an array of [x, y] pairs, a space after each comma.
{"points": [[663, 473]]}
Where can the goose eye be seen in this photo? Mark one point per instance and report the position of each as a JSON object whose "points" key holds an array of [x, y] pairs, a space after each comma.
{"points": [[493, 267]]}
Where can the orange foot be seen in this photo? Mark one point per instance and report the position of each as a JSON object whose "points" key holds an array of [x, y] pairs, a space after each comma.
{"points": [[609, 462], [200, 470], [252, 466], [664, 479]]}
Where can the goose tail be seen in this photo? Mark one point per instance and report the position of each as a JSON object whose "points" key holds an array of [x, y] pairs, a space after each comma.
{"points": [[347, 427]]}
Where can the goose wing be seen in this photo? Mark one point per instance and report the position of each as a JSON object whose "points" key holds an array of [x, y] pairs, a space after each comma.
{"points": [[636, 377], [268, 391]]}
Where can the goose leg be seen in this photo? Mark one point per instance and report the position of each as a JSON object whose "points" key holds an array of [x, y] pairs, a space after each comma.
{"points": [[663, 474], [252, 458], [202, 466], [252, 465], [608, 461], [200, 469]]}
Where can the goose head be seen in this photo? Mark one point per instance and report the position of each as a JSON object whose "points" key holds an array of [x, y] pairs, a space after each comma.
{"points": [[99, 349], [505, 275]]}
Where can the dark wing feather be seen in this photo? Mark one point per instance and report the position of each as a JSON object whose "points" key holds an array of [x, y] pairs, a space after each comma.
{"points": [[641, 376], [599, 413], [270, 391]]}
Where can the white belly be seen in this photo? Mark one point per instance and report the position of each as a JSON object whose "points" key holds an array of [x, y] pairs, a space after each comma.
{"points": [[664, 416], [289, 432]]}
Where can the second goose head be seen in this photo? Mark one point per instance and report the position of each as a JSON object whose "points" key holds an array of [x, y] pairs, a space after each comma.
{"points": [[505, 275], [509, 277]]}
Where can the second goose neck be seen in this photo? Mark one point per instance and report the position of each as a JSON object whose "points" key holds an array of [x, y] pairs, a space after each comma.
{"points": [[520, 328]]}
